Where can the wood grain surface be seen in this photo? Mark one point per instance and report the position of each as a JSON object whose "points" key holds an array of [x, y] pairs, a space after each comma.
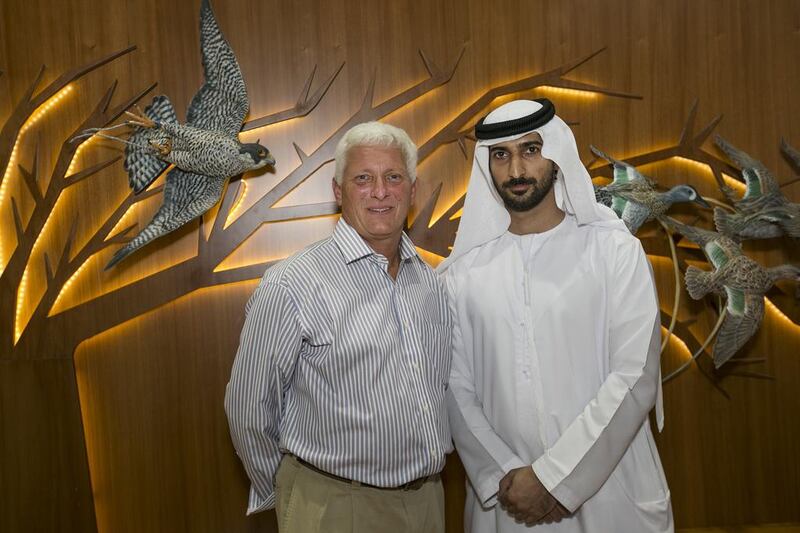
{"points": [[129, 435]]}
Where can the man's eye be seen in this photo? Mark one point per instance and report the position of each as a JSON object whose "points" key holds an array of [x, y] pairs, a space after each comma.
{"points": [[499, 154], [532, 150], [363, 178], [394, 177]]}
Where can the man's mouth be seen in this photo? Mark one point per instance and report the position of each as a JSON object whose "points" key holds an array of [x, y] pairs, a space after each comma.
{"points": [[379, 210], [519, 186]]}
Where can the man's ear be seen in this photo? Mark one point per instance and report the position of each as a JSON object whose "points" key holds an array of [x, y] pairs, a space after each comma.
{"points": [[337, 191]]}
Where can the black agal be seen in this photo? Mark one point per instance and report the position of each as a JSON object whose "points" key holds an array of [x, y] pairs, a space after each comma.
{"points": [[517, 125]]}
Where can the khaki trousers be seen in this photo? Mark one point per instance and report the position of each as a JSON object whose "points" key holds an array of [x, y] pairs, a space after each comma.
{"points": [[310, 502]]}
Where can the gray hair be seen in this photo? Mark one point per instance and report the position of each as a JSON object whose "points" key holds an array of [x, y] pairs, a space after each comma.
{"points": [[376, 134]]}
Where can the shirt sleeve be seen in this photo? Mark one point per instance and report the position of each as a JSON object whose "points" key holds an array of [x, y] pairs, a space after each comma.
{"points": [[584, 456], [485, 456], [254, 399]]}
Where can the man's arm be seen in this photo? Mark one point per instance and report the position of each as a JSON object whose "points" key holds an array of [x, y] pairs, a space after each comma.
{"points": [[486, 458], [268, 349], [582, 459]]}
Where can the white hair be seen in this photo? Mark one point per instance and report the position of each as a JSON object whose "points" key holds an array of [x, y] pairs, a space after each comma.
{"points": [[376, 134]]}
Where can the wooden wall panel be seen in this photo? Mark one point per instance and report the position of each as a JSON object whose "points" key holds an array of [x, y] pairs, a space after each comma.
{"points": [[43, 462], [151, 388]]}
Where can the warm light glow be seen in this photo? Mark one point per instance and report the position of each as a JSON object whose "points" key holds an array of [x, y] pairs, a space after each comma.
{"points": [[561, 91], [69, 283], [238, 204], [74, 163], [19, 326], [12, 160], [429, 257], [23, 287], [734, 184], [677, 345], [779, 315], [692, 162], [448, 204]]}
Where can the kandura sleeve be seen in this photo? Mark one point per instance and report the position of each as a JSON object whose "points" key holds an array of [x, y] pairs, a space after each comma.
{"points": [[584, 456], [486, 458], [254, 400]]}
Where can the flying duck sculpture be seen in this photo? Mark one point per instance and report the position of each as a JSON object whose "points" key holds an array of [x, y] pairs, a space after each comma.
{"points": [[764, 211], [742, 280], [634, 196]]}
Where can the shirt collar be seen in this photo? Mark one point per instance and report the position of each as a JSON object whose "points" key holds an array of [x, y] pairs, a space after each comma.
{"points": [[354, 247]]}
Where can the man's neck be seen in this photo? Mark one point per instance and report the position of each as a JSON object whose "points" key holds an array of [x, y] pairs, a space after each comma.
{"points": [[541, 218], [390, 249]]}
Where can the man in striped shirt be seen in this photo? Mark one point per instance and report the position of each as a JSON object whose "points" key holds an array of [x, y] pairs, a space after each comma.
{"points": [[336, 397]]}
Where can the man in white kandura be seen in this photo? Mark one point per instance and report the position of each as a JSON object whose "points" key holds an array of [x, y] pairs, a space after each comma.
{"points": [[336, 399], [556, 342]]}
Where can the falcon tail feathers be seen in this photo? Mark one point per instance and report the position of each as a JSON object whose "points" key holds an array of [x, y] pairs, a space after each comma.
{"points": [[698, 282], [119, 255], [141, 162], [150, 232]]}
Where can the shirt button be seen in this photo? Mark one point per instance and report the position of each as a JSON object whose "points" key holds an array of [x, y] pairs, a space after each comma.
{"points": [[415, 366], [425, 407]]}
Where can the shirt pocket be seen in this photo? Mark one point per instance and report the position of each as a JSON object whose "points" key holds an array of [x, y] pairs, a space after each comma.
{"points": [[435, 339]]}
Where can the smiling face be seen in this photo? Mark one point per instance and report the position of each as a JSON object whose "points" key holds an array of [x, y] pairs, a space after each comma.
{"points": [[375, 193], [522, 177]]}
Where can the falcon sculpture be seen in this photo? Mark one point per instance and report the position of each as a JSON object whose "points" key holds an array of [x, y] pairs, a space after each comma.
{"points": [[205, 151], [742, 280], [634, 197]]}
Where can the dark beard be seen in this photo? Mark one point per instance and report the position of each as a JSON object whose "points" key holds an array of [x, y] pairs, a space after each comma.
{"points": [[525, 203]]}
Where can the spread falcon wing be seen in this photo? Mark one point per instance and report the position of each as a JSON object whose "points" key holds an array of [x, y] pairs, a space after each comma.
{"points": [[221, 103], [186, 196], [743, 317]]}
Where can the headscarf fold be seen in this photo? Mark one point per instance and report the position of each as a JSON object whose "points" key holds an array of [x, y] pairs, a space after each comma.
{"points": [[485, 217]]}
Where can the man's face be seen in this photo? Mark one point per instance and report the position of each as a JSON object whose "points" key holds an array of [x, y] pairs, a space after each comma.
{"points": [[376, 192], [521, 175]]}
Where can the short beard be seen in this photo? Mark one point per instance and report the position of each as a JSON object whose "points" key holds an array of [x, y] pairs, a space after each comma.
{"points": [[525, 203]]}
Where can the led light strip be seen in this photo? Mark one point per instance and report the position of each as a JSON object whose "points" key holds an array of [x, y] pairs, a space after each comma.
{"points": [[12, 160], [570, 92]]}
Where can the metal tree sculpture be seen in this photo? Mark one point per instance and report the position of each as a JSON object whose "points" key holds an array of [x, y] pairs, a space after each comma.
{"points": [[50, 334]]}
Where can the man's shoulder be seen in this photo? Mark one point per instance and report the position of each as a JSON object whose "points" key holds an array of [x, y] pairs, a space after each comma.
{"points": [[611, 238], [303, 263]]}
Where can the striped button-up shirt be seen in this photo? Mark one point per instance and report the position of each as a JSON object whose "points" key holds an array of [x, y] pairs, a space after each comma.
{"points": [[343, 366]]}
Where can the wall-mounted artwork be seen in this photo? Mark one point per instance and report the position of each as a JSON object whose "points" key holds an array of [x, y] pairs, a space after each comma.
{"points": [[120, 368]]}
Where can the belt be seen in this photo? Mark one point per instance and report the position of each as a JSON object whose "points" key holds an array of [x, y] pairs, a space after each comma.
{"points": [[411, 485]]}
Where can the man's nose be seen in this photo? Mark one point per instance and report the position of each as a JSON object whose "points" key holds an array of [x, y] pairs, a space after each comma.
{"points": [[516, 168], [379, 188]]}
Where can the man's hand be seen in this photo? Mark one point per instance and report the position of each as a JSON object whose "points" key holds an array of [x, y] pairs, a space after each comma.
{"points": [[525, 498]]}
